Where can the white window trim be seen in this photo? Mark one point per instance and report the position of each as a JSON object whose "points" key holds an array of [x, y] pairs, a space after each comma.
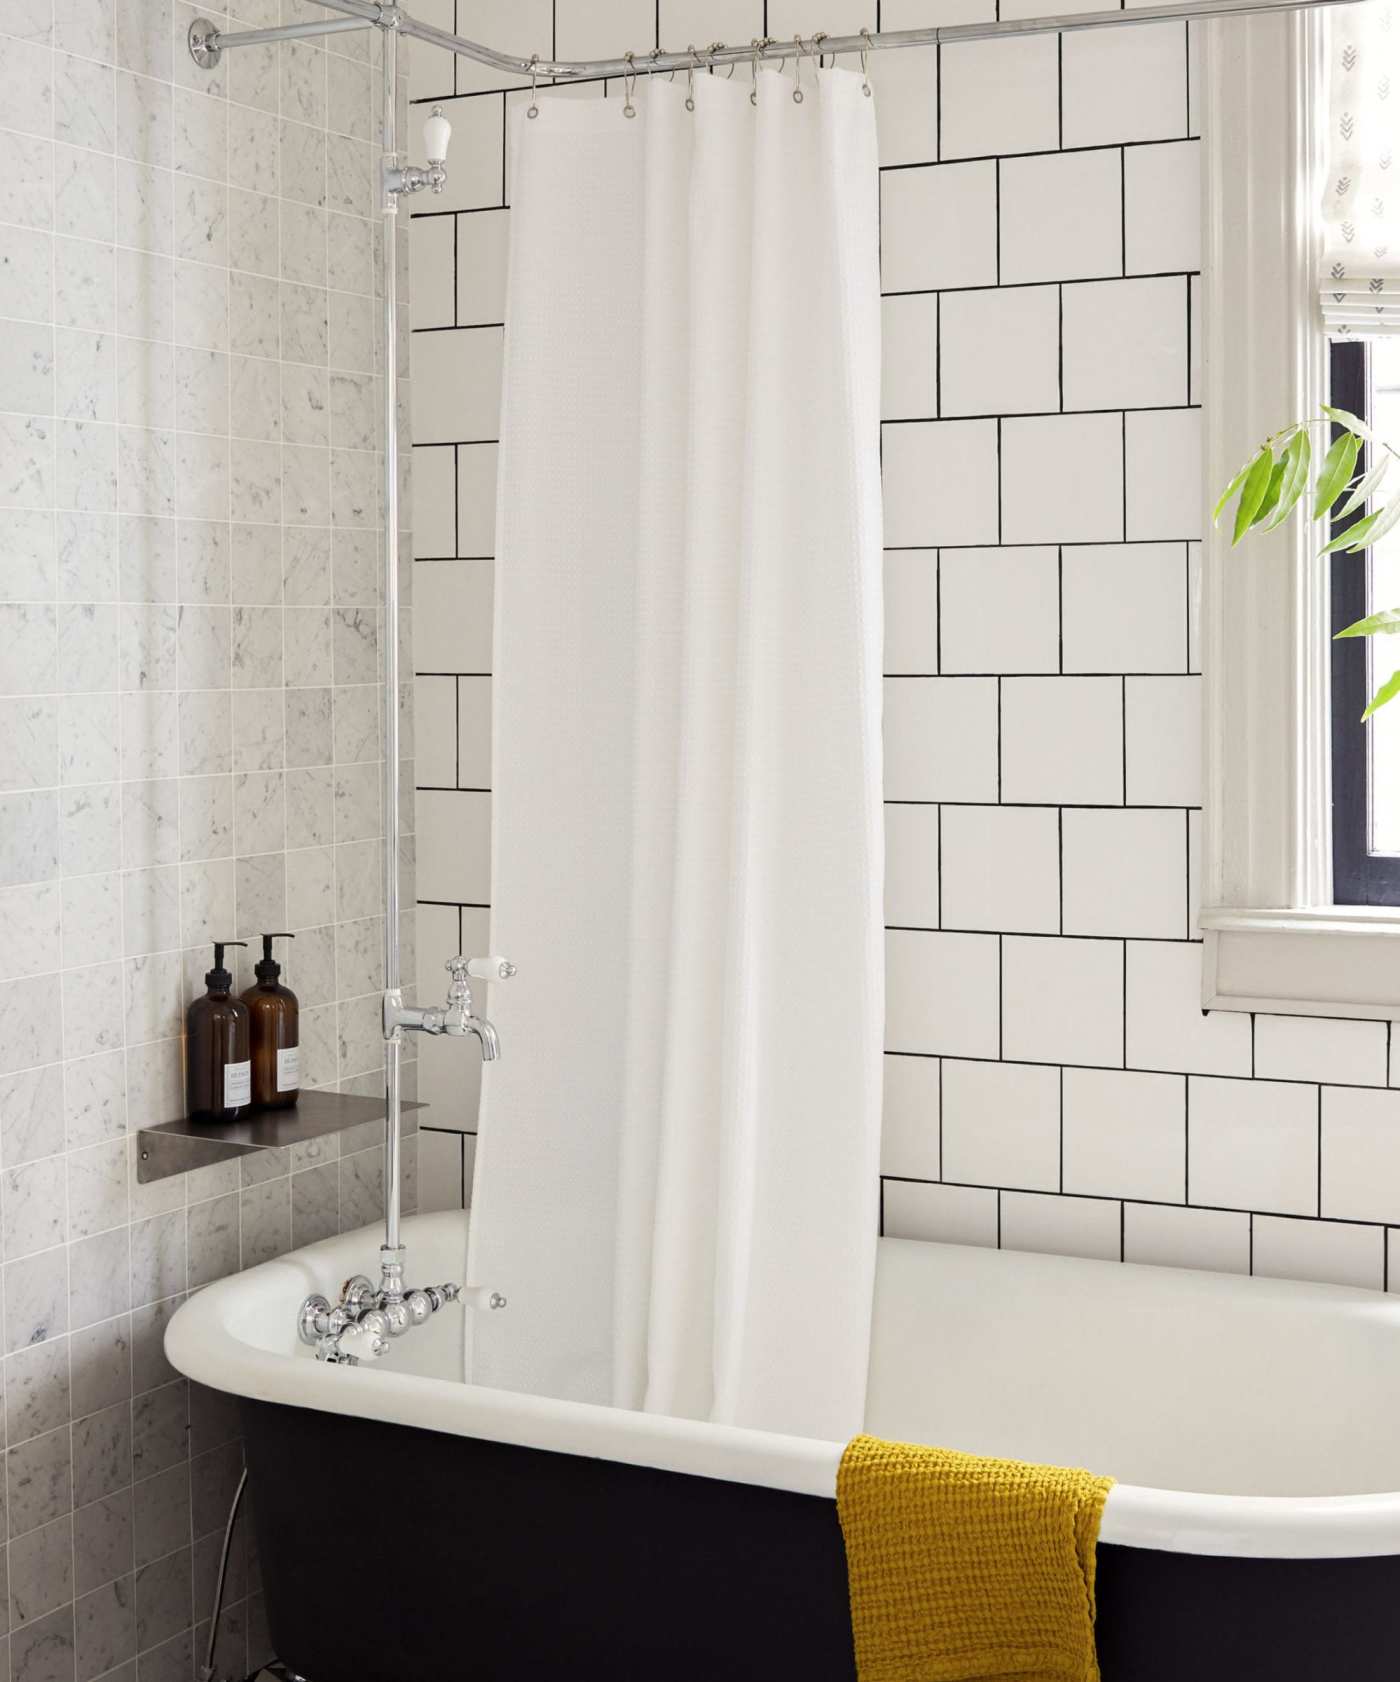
{"points": [[1273, 941]]}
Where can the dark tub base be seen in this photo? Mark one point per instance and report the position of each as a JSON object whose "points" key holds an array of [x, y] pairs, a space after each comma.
{"points": [[397, 1555]]}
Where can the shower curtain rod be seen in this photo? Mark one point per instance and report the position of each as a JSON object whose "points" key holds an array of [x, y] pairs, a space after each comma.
{"points": [[767, 50]]}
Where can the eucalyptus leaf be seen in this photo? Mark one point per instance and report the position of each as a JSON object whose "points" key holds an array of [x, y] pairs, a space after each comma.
{"points": [[1271, 494], [1387, 692], [1356, 536], [1366, 487], [1386, 623], [1336, 472], [1229, 491], [1344, 417], [1297, 459], [1382, 522], [1253, 492]]}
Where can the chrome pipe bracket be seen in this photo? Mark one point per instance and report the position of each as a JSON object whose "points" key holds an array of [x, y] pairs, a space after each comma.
{"points": [[203, 38]]}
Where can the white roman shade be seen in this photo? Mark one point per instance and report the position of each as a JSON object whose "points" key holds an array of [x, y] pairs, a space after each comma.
{"points": [[1361, 195]]}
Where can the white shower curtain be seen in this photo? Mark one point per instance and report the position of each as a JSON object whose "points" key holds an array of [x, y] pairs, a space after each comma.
{"points": [[677, 1172]]}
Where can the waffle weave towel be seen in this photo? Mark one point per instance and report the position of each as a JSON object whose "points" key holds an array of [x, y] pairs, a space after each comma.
{"points": [[965, 1568]]}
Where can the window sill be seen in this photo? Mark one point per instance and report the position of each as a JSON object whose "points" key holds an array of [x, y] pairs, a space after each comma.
{"points": [[1329, 960]]}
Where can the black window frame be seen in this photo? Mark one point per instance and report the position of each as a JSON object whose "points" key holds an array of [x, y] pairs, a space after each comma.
{"points": [[1359, 876]]}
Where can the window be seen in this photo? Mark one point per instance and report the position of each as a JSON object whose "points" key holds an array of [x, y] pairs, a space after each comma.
{"points": [[1365, 378]]}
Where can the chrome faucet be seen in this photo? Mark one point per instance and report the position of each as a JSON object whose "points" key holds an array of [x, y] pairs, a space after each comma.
{"points": [[361, 1325], [455, 1016]]}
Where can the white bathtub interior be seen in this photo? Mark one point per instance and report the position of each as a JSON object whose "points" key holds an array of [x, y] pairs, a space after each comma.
{"points": [[1239, 1415]]}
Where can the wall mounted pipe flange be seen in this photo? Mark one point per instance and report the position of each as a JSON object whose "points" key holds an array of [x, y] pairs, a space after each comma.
{"points": [[204, 44]]}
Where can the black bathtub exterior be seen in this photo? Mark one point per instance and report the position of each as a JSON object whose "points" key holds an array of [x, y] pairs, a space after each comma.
{"points": [[397, 1555]]}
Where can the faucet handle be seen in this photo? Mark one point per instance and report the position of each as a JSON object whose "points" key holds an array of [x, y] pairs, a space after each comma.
{"points": [[483, 969]]}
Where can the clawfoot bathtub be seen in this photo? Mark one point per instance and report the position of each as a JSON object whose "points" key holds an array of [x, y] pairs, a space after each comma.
{"points": [[412, 1526]]}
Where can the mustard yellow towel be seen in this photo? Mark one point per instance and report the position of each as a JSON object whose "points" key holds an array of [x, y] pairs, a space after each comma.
{"points": [[962, 1567]]}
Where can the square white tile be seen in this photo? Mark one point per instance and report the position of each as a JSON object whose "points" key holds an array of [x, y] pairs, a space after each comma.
{"points": [[999, 96], [1062, 479], [1125, 343], [941, 993], [1061, 216], [1001, 1125], [1125, 607], [1124, 84], [940, 483], [1125, 873], [938, 227], [999, 351], [1125, 1134], [1062, 1000], [1253, 1144], [1062, 740], [941, 739], [1001, 868], [1167, 1029], [999, 610]]}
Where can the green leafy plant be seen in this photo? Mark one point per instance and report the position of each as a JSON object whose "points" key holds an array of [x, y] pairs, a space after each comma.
{"points": [[1275, 480]]}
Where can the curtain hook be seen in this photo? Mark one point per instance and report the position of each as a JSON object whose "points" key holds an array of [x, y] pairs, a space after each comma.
{"points": [[757, 46], [690, 77], [533, 109], [865, 63], [797, 94], [817, 40], [714, 48], [629, 85]]}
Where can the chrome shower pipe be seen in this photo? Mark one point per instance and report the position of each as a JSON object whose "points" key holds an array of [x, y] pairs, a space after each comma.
{"points": [[391, 1281], [203, 36], [769, 50]]}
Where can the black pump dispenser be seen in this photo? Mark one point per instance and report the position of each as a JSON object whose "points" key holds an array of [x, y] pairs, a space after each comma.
{"points": [[218, 1073], [218, 979], [267, 968]]}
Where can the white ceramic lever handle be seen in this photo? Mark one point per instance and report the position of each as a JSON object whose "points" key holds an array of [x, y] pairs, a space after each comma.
{"points": [[490, 969]]}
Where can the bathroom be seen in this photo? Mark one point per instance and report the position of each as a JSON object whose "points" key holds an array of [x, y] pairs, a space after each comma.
{"points": [[987, 907]]}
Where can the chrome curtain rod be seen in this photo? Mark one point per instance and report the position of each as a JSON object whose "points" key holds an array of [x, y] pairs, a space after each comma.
{"points": [[369, 14]]}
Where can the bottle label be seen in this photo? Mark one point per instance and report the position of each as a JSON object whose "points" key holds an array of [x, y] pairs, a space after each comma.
{"points": [[289, 1068], [238, 1084]]}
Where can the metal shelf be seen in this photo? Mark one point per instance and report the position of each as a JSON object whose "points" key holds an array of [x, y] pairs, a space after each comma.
{"points": [[175, 1147]]}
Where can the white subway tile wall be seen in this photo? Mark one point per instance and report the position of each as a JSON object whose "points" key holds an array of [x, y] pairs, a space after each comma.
{"points": [[1052, 1082], [189, 749]]}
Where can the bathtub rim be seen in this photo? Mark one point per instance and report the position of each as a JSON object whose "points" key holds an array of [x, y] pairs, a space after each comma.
{"points": [[202, 1344]]}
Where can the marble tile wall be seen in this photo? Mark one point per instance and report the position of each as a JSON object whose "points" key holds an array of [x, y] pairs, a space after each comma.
{"points": [[189, 748]]}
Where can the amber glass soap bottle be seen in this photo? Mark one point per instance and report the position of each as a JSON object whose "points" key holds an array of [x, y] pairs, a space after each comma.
{"points": [[217, 1074], [276, 1032]]}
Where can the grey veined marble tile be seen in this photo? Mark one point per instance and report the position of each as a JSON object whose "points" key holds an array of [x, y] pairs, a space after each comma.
{"points": [[36, 1299]]}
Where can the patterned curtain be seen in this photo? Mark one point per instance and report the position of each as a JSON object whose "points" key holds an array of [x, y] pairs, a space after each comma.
{"points": [[1361, 197]]}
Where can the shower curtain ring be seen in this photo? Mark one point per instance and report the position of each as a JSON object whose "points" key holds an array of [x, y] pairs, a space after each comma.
{"points": [[690, 77], [758, 46], [797, 94], [817, 40], [865, 63], [629, 85], [533, 110]]}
